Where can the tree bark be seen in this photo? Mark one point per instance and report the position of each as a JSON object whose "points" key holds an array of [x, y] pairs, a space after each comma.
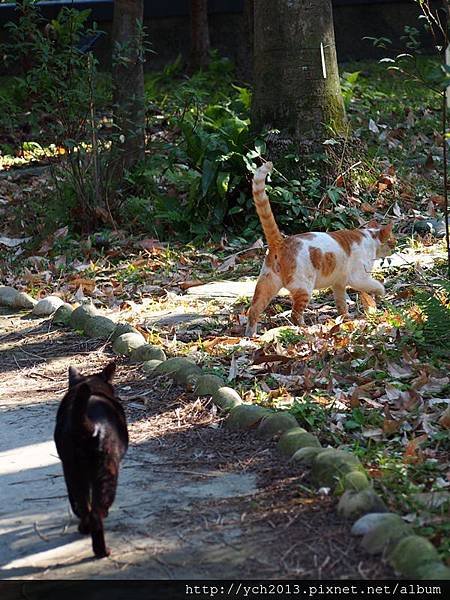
{"points": [[297, 89], [200, 43], [128, 82], [249, 9]]}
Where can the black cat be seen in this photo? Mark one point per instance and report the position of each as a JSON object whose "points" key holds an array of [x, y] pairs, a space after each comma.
{"points": [[91, 437]]}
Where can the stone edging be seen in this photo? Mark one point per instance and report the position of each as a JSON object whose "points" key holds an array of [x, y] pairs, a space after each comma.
{"points": [[382, 532]]}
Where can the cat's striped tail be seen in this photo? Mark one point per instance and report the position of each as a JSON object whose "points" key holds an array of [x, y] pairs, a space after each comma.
{"points": [[272, 233]]}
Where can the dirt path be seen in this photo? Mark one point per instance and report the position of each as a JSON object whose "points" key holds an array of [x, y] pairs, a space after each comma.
{"points": [[194, 500]]}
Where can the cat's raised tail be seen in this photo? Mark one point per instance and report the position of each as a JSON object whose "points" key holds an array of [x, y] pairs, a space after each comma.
{"points": [[272, 233]]}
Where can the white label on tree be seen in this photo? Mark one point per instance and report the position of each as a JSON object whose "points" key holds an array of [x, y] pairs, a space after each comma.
{"points": [[324, 66]]}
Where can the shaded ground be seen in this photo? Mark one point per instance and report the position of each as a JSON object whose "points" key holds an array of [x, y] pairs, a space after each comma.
{"points": [[194, 500]]}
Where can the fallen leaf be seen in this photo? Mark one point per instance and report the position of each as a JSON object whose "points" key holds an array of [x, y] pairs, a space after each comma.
{"points": [[373, 433], [224, 341], [438, 200], [233, 369], [13, 242], [392, 392], [260, 358], [185, 285], [410, 399], [387, 180], [61, 232], [410, 119], [391, 426], [367, 301], [373, 127], [444, 420], [434, 385], [396, 210], [399, 372], [86, 285], [413, 453], [228, 264], [367, 207], [429, 163], [149, 244]]}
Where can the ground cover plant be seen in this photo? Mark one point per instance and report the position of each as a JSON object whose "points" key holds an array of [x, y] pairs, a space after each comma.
{"points": [[378, 385]]}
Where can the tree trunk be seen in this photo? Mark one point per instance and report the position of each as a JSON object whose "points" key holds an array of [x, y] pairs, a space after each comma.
{"points": [[199, 35], [297, 89], [128, 82], [249, 9]]}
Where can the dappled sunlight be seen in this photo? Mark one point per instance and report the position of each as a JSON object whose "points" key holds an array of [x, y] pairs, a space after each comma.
{"points": [[34, 456]]}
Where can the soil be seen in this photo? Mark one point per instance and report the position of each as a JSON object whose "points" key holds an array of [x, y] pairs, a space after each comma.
{"points": [[195, 501]]}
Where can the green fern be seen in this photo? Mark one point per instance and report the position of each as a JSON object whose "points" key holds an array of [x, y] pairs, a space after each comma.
{"points": [[436, 308]]}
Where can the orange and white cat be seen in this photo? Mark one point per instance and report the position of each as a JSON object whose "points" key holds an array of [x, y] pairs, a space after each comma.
{"points": [[308, 261]]}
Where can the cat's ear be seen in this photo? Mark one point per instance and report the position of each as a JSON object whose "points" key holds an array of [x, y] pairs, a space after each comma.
{"points": [[372, 224], [385, 232], [74, 377], [108, 372]]}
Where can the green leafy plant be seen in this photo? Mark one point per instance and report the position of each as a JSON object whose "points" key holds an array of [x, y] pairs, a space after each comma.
{"points": [[435, 305]]}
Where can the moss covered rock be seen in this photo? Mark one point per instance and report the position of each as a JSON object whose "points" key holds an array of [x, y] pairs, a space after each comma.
{"points": [[207, 385], [275, 425], [150, 365], [47, 306], [147, 352], [122, 328], [10, 297], [386, 534], [305, 456], [81, 315], [188, 376], [354, 481], [172, 365], [369, 522], [436, 571], [294, 439], [127, 342], [99, 327], [330, 466], [353, 505], [62, 315], [226, 398], [411, 554], [246, 416]]}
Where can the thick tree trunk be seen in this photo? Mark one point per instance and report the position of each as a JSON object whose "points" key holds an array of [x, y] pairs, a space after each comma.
{"points": [[297, 87], [128, 81], [200, 43]]}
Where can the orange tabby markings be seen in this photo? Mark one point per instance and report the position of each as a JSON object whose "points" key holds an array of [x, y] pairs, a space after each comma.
{"points": [[288, 258], [315, 260], [328, 264], [325, 262], [346, 238], [315, 254], [270, 228], [300, 299]]}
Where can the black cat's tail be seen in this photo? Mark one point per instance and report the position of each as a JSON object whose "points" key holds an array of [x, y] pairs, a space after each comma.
{"points": [[79, 409]]}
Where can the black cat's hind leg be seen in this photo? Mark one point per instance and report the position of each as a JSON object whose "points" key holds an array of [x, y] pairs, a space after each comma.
{"points": [[78, 489], [103, 494]]}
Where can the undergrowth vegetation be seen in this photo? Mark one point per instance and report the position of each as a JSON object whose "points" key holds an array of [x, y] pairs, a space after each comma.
{"points": [[201, 152]]}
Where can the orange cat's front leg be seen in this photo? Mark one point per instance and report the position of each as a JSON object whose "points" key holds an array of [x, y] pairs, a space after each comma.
{"points": [[267, 287], [300, 299]]}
